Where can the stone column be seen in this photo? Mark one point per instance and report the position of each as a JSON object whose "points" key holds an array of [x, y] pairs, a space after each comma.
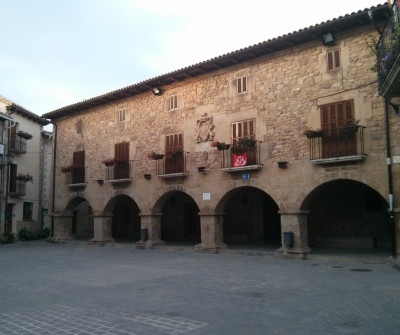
{"points": [[212, 236], [102, 229], [62, 228], [151, 222], [294, 221]]}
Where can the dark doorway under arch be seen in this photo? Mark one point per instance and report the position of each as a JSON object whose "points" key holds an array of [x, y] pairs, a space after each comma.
{"points": [[251, 217], [82, 218], [180, 221], [126, 220], [348, 214]]}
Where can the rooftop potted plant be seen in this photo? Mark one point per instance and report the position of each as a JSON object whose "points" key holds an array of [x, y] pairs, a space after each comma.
{"points": [[220, 145], [155, 156], [313, 133], [66, 169], [109, 162], [24, 135], [25, 177]]}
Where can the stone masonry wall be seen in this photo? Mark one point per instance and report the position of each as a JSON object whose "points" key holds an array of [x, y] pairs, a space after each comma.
{"points": [[285, 92]]}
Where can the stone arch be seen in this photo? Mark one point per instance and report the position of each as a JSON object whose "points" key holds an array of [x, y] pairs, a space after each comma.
{"points": [[80, 211], [250, 216], [164, 194], [179, 215], [322, 180], [347, 213], [125, 213]]}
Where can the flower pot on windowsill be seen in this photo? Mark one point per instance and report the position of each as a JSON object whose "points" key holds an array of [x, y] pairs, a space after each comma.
{"points": [[201, 169]]}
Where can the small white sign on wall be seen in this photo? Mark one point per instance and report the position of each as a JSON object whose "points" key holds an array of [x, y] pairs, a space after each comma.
{"points": [[206, 196], [396, 159]]}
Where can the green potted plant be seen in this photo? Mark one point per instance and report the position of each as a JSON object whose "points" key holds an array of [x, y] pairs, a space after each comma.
{"points": [[313, 133], [220, 145], [155, 156], [24, 135], [25, 177], [109, 162]]}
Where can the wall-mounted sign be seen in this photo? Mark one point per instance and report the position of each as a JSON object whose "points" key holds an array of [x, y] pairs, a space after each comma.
{"points": [[245, 176], [206, 196], [396, 159]]}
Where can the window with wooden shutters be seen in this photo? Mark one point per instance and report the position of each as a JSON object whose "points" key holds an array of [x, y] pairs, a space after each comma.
{"points": [[79, 127], [13, 178], [174, 160], [122, 115], [121, 167], [334, 117], [333, 59], [242, 130], [241, 85], [173, 102], [78, 172]]}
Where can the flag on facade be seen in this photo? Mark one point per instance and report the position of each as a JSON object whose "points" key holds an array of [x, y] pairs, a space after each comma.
{"points": [[240, 160]]}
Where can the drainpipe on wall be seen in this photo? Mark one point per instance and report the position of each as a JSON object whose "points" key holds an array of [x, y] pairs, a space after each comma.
{"points": [[390, 179], [54, 177]]}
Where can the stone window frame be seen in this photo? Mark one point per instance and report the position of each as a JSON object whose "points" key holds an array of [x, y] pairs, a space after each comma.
{"points": [[27, 213], [241, 85], [333, 59], [122, 115], [79, 126], [173, 102]]}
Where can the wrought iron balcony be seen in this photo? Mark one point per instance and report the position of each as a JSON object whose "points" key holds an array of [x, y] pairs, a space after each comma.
{"points": [[388, 51], [338, 145], [119, 172], [17, 188], [237, 158], [17, 144], [172, 165], [76, 177]]}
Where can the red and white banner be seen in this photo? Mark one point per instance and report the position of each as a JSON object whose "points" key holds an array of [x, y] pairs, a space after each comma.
{"points": [[239, 160]]}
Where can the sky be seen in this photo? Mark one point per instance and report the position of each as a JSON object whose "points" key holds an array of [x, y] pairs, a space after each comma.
{"points": [[54, 53]]}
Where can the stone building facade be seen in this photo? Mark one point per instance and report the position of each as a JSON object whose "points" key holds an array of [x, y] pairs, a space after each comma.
{"points": [[282, 188]]}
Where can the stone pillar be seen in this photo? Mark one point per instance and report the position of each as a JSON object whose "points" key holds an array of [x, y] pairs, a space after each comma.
{"points": [[62, 228], [151, 222], [294, 221], [102, 225], [212, 236]]}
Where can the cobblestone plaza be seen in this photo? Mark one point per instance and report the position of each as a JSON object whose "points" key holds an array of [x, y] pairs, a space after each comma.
{"points": [[75, 288]]}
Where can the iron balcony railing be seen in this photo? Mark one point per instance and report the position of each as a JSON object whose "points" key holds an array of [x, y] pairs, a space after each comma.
{"points": [[172, 163], [17, 187], [76, 176], [233, 157], [120, 170], [388, 47], [342, 142], [17, 144]]}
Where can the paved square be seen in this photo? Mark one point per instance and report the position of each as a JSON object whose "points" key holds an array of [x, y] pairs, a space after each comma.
{"points": [[74, 288]]}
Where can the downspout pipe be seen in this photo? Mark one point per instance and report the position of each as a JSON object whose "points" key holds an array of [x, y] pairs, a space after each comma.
{"points": [[390, 178], [54, 177]]}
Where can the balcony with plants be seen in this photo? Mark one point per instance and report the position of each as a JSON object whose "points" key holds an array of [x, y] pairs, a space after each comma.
{"points": [[18, 141], [343, 144], [242, 155], [17, 185], [172, 164], [74, 176], [387, 55], [117, 171]]}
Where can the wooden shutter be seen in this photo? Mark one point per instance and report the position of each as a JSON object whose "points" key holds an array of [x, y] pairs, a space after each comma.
{"points": [[121, 166], [333, 117], [78, 162], [174, 162], [242, 130], [333, 59]]}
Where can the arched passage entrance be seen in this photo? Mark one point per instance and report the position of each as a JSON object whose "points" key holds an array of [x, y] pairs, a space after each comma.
{"points": [[180, 221], [251, 217], [125, 224], [347, 214], [82, 218]]}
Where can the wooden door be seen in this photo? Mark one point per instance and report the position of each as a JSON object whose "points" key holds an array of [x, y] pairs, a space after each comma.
{"points": [[78, 173], [121, 168], [242, 130], [336, 142], [174, 157]]}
